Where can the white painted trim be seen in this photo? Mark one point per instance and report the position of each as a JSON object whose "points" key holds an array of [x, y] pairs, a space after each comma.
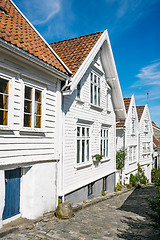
{"points": [[8, 220]]}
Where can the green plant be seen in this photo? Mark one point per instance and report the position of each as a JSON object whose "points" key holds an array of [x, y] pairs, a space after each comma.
{"points": [[132, 180], [155, 203], [128, 186], [120, 159], [140, 177], [118, 187], [154, 174], [59, 201], [103, 193], [98, 157]]}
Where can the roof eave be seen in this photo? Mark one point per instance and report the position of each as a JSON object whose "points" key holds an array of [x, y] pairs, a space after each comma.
{"points": [[26, 56]]}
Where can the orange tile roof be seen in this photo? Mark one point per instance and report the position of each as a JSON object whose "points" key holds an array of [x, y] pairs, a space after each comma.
{"points": [[74, 51], [156, 142], [16, 30], [139, 111], [154, 125], [127, 103], [120, 122]]}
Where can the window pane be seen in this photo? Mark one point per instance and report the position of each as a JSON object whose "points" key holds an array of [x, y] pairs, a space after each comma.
{"points": [[95, 95], [91, 93], [3, 101], [27, 120], [98, 81], [107, 133], [98, 96], [106, 148], [95, 78], [104, 132], [78, 89], [3, 86], [83, 131], [101, 132], [37, 121], [3, 117], [101, 148], [83, 150], [27, 106], [37, 108], [78, 131], [28, 93], [87, 150], [38, 96], [78, 151], [91, 76], [87, 132]]}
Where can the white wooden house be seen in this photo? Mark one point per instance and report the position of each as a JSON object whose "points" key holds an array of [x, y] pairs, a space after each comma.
{"points": [[156, 145], [145, 140], [30, 83], [91, 102], [127, 138]]}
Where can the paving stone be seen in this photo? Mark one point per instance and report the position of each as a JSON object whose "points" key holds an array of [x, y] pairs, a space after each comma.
{"points": [[124, 216]]}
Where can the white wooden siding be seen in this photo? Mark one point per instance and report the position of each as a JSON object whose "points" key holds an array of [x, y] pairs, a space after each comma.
{"points": [[17, 146], [75, 110]]}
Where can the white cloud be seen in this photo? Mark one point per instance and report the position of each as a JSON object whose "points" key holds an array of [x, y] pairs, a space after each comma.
{"points": [[148, 76], [122, 10], [40, 12]]}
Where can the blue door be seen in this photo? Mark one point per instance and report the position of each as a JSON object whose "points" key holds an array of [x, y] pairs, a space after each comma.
{"points": [[12, 193]]}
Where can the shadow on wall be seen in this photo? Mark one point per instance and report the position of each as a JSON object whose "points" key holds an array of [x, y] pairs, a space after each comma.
{"points": [[139, 228]]}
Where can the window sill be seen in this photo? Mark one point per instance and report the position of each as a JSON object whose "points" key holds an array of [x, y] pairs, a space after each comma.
{"points": [[105, 160], [96, 107], [83, 165], [108, 110], [5, 128], [146, 153], [79, 100], [130, 163], [31, 130]]}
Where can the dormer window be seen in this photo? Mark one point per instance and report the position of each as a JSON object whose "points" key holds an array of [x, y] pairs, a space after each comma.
{"points": [[94, 89]]}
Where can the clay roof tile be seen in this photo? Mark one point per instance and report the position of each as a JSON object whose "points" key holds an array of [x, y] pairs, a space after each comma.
{"points": [[139, 111], [16, 30], [76, 49]]}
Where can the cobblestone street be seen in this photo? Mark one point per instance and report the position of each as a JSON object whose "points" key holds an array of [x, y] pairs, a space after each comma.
{"points": [[123, 216]]}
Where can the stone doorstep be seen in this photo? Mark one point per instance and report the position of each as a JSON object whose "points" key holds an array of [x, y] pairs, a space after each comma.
{"points": [[23, 223]]}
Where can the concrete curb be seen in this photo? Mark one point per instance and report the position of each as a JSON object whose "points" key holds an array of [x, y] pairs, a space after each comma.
{"points": [[90, 202]]}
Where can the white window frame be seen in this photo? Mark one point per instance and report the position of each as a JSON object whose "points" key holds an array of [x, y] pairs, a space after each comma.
{"points": [[133, 126], [95, 82], [132, 154], [146, 147], [42, 90], [146, 126], [10, 80], [78, 90], [104, 142], [83, 136]]}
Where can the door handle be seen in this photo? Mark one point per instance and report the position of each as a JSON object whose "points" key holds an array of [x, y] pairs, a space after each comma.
{"points": [[6, 180]]}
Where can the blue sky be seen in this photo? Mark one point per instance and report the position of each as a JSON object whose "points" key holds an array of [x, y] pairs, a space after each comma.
{"points": [[134, 31]]}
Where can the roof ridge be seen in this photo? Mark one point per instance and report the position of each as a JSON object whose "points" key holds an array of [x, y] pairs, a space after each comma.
{"points": [[77, 37]]}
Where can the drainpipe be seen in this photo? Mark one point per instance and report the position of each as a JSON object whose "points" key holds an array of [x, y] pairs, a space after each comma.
{"points": [[62, 157]]}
